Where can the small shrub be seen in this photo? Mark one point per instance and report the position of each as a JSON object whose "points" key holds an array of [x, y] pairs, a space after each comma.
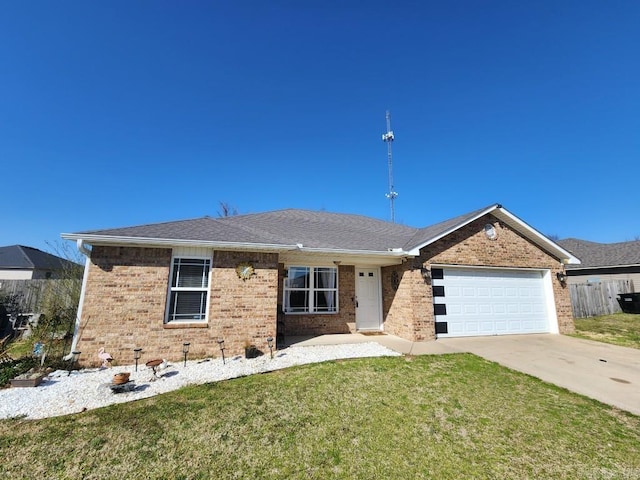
{"points": [[12, 369]]}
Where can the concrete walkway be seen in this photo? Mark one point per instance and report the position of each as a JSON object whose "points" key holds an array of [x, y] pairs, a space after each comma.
{"points": [[607, 373]]}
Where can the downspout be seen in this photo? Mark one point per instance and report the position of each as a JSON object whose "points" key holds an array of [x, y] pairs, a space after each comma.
{"points": [[82, 248]]}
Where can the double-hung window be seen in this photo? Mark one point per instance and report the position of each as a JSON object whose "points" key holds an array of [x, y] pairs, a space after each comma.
{"points": [[311, 290], [189, 290]]}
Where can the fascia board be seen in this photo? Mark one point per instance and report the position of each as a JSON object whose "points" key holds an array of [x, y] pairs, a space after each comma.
{"points": [[170, 242], [369, 253], [626, 265], [536, 237], [415, 251], [166, 242], [502, 214]]}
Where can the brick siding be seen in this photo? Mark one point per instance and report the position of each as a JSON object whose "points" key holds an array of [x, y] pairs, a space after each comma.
{"points": [[125, 304], [408, 311]]}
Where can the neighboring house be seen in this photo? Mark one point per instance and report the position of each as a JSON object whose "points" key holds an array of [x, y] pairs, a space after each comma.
{"points": [[603, 261], [18, 262], [245, 278]]}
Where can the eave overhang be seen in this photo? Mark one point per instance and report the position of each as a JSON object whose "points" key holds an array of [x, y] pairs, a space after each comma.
{"points": [[289, 252], [596, 267]]}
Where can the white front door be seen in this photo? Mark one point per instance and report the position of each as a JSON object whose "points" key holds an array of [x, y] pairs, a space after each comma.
{"points": [[368, 304]]}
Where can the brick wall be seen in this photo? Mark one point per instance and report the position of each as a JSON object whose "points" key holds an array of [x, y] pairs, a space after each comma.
{"points": [[408, 311], [399, 306], [243, 311], [125, 304]]}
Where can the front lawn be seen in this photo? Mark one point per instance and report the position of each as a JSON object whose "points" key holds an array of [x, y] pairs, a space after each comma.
{"points": [[448, 416], [618, 329]]}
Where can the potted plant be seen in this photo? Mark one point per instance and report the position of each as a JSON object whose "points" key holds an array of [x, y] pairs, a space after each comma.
{"points": [[32, 378], [121, 378]]}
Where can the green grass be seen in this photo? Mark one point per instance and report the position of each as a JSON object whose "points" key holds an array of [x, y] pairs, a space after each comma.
{"points": [[449, 416], [618, 329], [20, 348]]}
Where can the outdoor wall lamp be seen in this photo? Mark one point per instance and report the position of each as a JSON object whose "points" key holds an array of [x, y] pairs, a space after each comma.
{"points": [[562, 278], [426, 274], [270, 343], [136, 356], [75, 355], [185, 350], [221, 343]]}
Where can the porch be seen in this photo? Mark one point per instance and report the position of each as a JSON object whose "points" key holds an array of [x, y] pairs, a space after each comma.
{"points": [[392, 342]]}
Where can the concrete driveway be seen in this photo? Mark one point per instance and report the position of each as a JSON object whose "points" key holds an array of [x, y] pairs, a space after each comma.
{"points": [[605, 372]]}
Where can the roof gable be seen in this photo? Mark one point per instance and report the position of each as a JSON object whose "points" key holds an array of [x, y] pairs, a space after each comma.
{"points": [[428, 235]]}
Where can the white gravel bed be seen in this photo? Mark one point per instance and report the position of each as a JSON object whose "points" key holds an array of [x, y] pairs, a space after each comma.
{"points": [[63, 394]]}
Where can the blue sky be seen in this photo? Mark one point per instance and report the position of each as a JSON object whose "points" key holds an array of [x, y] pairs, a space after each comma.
{"points": [[123, 113]]}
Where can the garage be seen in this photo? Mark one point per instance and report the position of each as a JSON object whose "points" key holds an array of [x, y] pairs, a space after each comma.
{"points": [[489, 301]]}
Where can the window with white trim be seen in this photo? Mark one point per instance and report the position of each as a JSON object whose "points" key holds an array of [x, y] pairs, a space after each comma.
{"points": [[189, 290], [311, 290]]}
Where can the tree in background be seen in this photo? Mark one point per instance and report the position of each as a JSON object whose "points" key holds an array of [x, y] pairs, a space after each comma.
{"points": [[227, 210], [58, 306]]}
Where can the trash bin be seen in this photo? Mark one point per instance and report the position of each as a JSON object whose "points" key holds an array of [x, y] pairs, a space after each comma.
{"points": [[629, 302]]}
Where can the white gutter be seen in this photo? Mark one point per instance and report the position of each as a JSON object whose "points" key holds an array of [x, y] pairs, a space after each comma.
{"points": [[82, 239], [170, 242], [82, 248], [368, 253], [574, 269], [76, 328]]}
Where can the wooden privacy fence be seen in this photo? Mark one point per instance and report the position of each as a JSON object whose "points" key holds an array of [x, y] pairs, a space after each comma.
{"points": [[33, 291], [591, 299]]}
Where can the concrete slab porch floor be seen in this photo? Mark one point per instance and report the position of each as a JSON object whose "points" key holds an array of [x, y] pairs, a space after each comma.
{"points": [[397, 344], [607, 373]]}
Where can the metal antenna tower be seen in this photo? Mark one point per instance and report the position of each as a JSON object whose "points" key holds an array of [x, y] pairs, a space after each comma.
{"points": [[388, 138]]}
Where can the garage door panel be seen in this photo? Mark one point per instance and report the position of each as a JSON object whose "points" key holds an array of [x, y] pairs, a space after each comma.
{"points": [[468, 292], [470, 309], [485, 309], [486, 326], [454, 310], [492, 301]]}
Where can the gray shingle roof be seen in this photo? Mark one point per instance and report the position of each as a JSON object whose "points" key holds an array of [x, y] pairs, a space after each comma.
{"points": [[280, 227], [290, 228], [29, 258], [594, 254]]}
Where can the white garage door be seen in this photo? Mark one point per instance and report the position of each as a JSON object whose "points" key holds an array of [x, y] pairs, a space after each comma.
{"points": [[472, 302]]}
